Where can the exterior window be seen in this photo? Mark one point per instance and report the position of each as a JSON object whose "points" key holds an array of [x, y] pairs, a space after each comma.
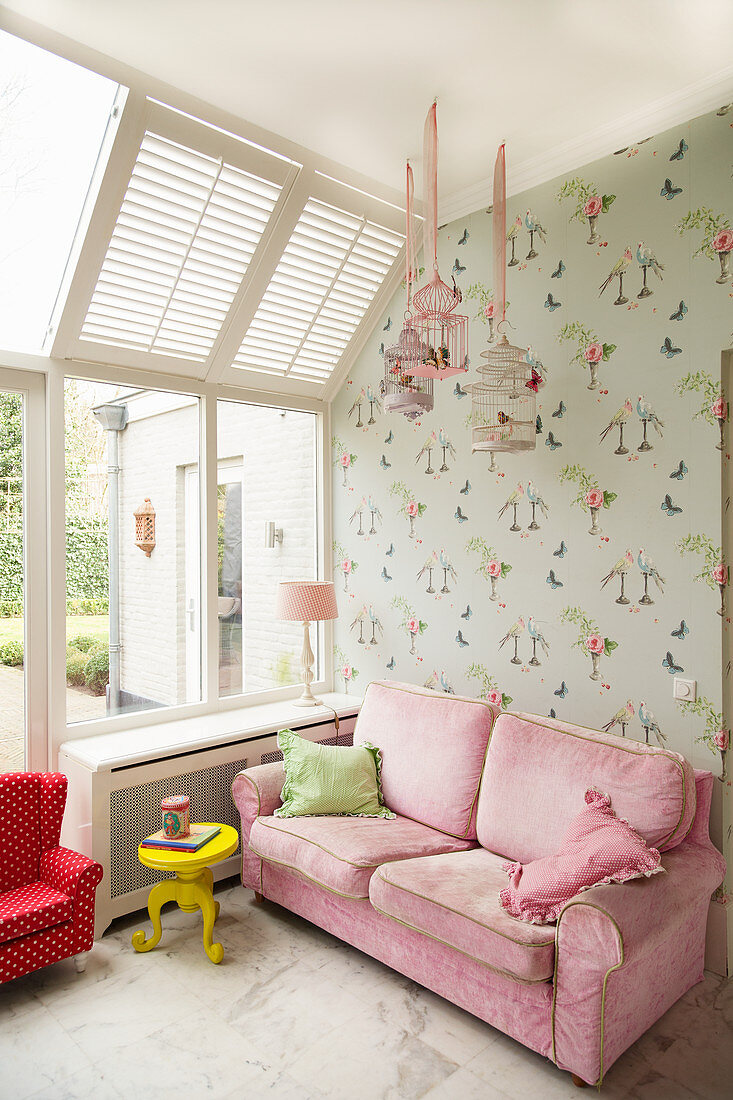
{"points": [[132, 599], [267, 474]]}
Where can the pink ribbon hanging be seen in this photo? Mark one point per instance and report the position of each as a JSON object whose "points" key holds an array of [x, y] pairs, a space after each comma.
{"points": [[430, 183], [410, 257], [499, 233]]}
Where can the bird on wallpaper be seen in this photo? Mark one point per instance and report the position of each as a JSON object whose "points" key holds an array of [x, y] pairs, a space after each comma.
{"points": [[384, 464], [427, 447], [621, 718], [537, 636], [514, 228], [620, 569], [390, 437], [447, 566], [459, 515], [375, 621], [359, 621], [512, 499], [514, 632], [535, 497], [358, 402], [617, 271], [385, 574], [619, 418], [446, 444], [374, 509], [650, 724], [534, 226], [646, 258], [646, 412], [534, 362], [360, 508], [464, 237], [428, 566], [649, 569], [461, 640]]}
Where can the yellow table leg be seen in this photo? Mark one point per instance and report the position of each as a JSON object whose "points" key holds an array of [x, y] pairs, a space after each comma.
{"points": [[210, 911], [159, 895]]}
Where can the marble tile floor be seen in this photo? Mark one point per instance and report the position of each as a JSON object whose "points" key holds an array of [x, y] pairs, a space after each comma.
{"points": [[293, 1014]]}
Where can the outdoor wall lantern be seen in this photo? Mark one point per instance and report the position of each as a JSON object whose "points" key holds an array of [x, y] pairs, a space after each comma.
{"points": [[273, 534], [145, 527]]}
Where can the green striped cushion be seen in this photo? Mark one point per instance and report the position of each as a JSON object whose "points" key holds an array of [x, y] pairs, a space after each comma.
{"points": [[330, 779]]}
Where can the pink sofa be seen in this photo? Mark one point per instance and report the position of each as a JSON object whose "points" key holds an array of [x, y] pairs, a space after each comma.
{"points": [[471, 788]]}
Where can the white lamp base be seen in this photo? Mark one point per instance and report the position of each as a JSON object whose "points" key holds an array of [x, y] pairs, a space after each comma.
{"points": [[307, 699]]}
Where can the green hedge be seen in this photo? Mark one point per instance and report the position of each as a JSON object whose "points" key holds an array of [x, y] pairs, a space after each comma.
{"points": [[87, 576], [87, 662]]}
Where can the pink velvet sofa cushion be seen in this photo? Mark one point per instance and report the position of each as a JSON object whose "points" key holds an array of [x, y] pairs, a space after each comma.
{"points": [[455, 899], [341, 853], [537, 772], [433, 749]]}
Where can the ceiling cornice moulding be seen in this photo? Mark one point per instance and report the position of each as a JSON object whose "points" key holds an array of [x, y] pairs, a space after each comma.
{"points": [[655, 117]]}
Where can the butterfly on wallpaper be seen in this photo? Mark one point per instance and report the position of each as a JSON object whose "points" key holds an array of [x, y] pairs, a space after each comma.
{"points": [[680, 150], [557, 273], [560, 410], [390, 437], [553, 581], [551, 442], [668, 662], [384, 464], [551, 304], [562, 691], [552, 713], [538, 425], [681, 632], [464, 237], [466, 488], [679, 312], [391, 663], [461, 640], [561, 550], [535, 381], [388, 326], [458, 267], [680, 472], [668, 507], [459, 515], [459, 392], [467, 613], [381, 350], [385, 574], [390, 552], [669, 190], [669, 349]]}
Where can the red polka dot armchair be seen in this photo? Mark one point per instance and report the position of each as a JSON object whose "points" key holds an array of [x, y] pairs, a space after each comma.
{"points": [[46, 892]]}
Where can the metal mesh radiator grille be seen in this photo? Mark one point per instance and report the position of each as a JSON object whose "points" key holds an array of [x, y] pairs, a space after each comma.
{"points": [[135, 812], [276, 756]]}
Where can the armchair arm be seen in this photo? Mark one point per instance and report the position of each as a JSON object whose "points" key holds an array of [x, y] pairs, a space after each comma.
{"points": [[256, 793], [625, 953], [77, 876]]}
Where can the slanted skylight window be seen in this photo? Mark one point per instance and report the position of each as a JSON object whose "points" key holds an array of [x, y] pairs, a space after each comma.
{"points": [[331, 269], [187, 229]]}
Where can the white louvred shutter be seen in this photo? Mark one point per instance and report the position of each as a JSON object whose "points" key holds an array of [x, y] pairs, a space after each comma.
{"points": [[186, 232], [328, 275]]}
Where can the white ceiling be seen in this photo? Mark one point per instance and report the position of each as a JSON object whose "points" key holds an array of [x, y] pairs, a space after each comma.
{"points": [[352, 79]]}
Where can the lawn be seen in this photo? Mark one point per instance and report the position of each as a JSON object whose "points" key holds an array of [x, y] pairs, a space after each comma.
{"points": [[96, 626]]}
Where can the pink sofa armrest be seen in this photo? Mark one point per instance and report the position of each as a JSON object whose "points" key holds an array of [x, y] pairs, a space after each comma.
{"points": [[256, 793], [625, 953]]}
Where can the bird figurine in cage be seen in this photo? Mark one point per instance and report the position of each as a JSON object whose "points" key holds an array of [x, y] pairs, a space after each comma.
{"points": [[401, 389], [504, 401]]}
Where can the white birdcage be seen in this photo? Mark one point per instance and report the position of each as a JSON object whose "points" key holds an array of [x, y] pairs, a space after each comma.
{"points": [[404, 392], [504, 402]]}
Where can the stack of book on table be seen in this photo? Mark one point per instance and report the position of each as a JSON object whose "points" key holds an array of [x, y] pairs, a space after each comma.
{"points": [[199, 835]]}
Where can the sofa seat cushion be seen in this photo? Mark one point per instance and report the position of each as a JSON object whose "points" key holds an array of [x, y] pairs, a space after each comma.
{"points": [[454, 899], [31, 908], [341, 853]]}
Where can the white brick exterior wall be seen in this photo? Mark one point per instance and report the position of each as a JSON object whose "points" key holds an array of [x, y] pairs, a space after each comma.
{"points": [[277, 456]]}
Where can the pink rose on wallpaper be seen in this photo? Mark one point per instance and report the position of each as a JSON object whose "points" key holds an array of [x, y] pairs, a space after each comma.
{"points": [[723, 241], [413, 626], [346, 672], [345, 459], [722, 740], [594, 498], [593, 353], [594, 643], [592, 207], [412, 508], [720, 573], [346, 565], [719, 408], [493, 568], [494, 697], [489, 310]]}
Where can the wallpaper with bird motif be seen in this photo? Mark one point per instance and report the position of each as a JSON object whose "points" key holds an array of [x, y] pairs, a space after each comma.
{"points": [[579, 578]]}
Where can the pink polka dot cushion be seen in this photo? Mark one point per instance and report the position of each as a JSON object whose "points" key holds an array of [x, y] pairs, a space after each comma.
{"points": [[598, 847]]}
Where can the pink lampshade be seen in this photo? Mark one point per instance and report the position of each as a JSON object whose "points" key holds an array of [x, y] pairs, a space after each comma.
{"points": [[306, 601]]}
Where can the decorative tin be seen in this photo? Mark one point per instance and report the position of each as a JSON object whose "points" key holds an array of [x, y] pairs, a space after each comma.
{"points": [[175, 815]]}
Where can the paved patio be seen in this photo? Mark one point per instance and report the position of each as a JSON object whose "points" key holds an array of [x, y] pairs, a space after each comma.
{"points": [[80, 707]]}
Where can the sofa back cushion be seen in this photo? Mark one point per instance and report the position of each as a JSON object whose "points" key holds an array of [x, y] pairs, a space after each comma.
{"points": [[433, 749], [538, 769], [20, 831]]}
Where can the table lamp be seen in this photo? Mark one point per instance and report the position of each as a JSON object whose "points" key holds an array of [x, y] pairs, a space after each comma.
{"points": [[306, 602]]}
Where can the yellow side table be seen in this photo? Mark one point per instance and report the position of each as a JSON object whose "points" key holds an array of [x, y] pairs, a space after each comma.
{"points": [[191, 888]]}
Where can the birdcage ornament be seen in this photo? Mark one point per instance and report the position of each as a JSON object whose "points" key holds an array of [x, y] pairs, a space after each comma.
{"points": [[441, 328], [402, 390], [145, 527], [504, 402]]}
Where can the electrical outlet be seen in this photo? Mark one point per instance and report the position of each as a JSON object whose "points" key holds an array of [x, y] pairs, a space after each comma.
{"points": [[684, 690]]}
